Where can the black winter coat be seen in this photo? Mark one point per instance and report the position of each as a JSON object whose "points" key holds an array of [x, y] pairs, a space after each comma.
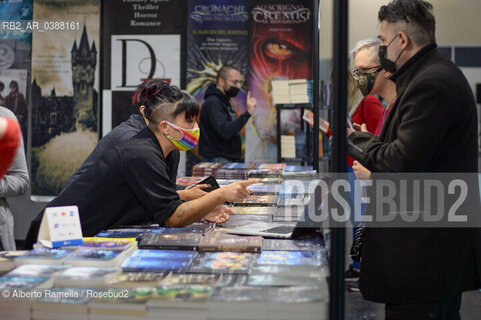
{"points": [[431, 128]]}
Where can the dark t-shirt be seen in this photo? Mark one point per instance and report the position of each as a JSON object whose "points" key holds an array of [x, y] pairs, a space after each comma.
{"points": [[128, 184]]}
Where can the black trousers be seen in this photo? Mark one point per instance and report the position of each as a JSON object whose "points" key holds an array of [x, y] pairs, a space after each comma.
{"points": [[445, 309]]}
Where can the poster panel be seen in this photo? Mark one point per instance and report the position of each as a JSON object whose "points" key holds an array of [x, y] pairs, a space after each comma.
{"points": [[64, 98], [280, 48]]}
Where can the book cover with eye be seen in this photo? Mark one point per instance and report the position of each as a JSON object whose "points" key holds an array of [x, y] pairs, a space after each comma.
{"points": [[280, 48]]}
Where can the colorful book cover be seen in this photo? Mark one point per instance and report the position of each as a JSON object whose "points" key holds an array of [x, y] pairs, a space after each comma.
{"points": [[222, 262], [180, 294], [220, 241], [164, 254], [108, 243], [265, 189], [154, 265], [136, 279], [290, 258], [292, 245], [209, 280]]}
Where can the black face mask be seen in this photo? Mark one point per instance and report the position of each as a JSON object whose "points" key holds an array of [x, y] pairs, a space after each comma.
{"points": [[365, 81], [388, 65], [232, 92]]}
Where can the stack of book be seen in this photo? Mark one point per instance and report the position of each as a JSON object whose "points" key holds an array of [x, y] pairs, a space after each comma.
{"points": [[234, 170], [126, 233], [7, 260], [85, 277], [44, 256], [59, 303], [240, 303], [309, 302], [280, 92], [206, 169], [259, 201], [264, 170], [216, 240], [296, 91], [288, 146], [179, 302], [145, 260], [300, 91], [254, 210]]}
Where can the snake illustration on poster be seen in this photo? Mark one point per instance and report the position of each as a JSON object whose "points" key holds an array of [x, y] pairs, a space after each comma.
{"points": [[280, 48], [65, 73], [217, 35], [141, 40], [15, 63]]}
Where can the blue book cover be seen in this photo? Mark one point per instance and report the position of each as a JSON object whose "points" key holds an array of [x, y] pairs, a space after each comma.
{"points": [[44, 253], [289, 258], [133, 264], [36, 270], [164, 254], [126, 233]]}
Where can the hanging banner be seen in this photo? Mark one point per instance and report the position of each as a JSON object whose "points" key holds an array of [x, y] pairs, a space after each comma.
{"points": [[65, 86], [15, 51], [217, 35], [142, 40], [280, 48]]}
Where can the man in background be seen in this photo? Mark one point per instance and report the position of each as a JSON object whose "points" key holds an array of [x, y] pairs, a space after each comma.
{"points": [[220, 127], [420, 273]]}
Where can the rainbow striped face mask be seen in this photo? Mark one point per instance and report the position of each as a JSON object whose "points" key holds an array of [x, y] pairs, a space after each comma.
{"points": [[189, 139]]}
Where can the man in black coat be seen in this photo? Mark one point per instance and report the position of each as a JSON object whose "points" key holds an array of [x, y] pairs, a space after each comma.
{"points": [[219, 126], [420, 273]]}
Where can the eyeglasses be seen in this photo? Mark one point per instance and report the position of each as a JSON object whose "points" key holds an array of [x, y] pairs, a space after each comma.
{"points": [[358, 72], [235, 82]]}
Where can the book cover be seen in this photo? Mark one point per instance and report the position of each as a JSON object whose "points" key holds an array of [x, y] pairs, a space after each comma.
{"points": [[292, 245], [232, 280], [265, 189], [36, 270], [182, 296], [222, 262], [121, 233], [257, 200], [21, 282], [7, 259], [108, 243], [164, 254], [254, 210], [96, 258], [144, 264], [273, 280], [136, 280], [220, 241], [44, 256], [209, 280], [289, 258], [174, 241], [239, 294]]}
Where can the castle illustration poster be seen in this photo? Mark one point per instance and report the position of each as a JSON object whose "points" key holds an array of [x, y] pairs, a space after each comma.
{"points": [[64, 94]]}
